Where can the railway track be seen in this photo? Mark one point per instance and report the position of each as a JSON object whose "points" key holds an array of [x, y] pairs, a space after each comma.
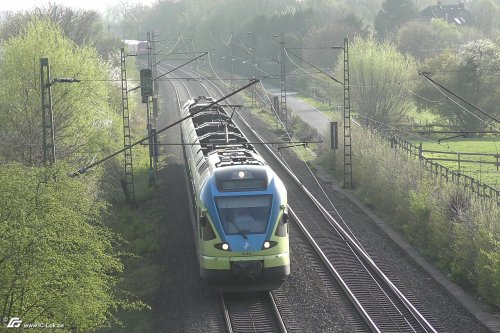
{"points": [[256, 312], [381, 304], [376, 298]]}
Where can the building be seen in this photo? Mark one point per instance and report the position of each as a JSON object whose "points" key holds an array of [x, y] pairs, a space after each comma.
{"points": [[453, 14]]}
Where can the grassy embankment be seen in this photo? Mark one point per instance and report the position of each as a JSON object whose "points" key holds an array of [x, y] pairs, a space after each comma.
{"points": [[140, 226], [485, 173], [455, 230]]}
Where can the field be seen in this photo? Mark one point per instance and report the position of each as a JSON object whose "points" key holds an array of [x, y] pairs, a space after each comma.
{"points": [[482, 168]]}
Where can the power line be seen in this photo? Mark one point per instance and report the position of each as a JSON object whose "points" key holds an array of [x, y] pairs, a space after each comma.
{"points": [[317, 68], [85, 168], [424, 74]]}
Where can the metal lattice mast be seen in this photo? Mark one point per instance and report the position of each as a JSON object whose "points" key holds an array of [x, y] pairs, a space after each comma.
{"points": [[347, 120], [129, 169], [254, 65], [154, 100], [154, 72], [148, 106], [283, 110], [48, 141]]}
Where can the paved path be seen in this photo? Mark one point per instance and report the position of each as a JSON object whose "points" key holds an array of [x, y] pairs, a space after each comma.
{"points": [[306, 112], [316, 119]]}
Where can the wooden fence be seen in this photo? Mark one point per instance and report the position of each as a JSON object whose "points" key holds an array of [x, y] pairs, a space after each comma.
{"points": [[471, 184]]}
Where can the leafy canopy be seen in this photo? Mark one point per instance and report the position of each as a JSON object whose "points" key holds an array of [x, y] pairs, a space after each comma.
{"points": [[393, 15], [57, 263], [471, 74], [381, 80], [85, 120]]}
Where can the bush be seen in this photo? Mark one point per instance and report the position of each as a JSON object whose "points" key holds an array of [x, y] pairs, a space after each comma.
{"points": [[454, 229]]}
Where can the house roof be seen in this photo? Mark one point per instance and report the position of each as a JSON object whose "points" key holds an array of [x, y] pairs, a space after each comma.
{"points": [[456, 14]]}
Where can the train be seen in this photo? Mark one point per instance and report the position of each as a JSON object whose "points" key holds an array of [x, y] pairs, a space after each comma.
{"points": [[136, 47], [238, 202]]}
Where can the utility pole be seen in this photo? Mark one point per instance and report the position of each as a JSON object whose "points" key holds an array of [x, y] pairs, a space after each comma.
{"points": [[154, 99], [129, 189], [48, 141], [148, 102], [283, 108], [252, 54], [347, 120]]}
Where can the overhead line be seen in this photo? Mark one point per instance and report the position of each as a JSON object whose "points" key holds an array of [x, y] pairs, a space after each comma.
{"points": [[317, 68], [424, 74], [184, 64], [85, 168]]}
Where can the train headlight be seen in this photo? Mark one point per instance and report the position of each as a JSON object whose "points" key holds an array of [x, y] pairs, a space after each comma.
{"points": [[222, 246], [269, 244]]}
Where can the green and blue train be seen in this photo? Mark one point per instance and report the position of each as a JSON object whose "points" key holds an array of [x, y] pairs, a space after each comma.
{"points": [[239, 204]]}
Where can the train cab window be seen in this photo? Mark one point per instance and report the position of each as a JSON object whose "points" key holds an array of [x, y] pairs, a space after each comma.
{"points": [[244, 214], [206, 231], [282, 228]]}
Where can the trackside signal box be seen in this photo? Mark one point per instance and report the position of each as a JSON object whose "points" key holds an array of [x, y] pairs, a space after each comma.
{"points": [[334, 137], [146, 84]]}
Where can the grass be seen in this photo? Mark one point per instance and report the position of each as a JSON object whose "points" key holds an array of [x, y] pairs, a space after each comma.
{"points": [[414, 204], [423, 117], [307, 153], [485, 173], [327, 110]]}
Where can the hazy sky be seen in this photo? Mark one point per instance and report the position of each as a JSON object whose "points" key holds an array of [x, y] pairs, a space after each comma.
{"points": [[100, 5]]}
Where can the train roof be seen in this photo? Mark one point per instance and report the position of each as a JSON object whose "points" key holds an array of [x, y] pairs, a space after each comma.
{"points": [[222, 142]]}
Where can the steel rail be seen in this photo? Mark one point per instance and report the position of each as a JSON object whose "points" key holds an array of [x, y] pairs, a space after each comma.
{"points": [[356, 248]]}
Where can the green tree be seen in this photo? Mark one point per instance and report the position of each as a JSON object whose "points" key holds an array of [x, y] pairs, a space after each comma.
{"points": [[488, 14], [424, 40], [340, 22], [471, 74], [86, 121], [381, 80], [57, 262], [393, 15], [84, 27]]}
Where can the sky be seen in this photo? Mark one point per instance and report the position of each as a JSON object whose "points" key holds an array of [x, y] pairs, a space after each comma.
{"points": [[99, 5]]}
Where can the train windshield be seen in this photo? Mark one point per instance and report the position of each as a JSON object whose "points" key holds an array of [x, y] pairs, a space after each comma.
{"points": [[244, 214]]}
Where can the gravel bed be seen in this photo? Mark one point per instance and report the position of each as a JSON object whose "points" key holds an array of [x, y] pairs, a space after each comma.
{"points": [[186, 304], [412, 280]]}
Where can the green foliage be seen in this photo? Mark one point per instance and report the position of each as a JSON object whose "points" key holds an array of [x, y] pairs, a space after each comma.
{"points": [[84, 27], [470, 74], [57, 262], [86, 124], [381, 79], [489, 271], [393, 15], [423, 40], [488, 13], [457, 231]]}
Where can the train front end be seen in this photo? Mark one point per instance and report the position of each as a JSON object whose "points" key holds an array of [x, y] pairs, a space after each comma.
{"points": [[243, 229]]}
